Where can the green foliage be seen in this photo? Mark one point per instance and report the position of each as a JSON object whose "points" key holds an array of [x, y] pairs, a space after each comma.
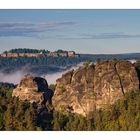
{"points": [[26, 50], [19, 115], [62, 89], [49, 64], [87, 63], [60, 51], [52, 87], [15, 114], [123, 115]]}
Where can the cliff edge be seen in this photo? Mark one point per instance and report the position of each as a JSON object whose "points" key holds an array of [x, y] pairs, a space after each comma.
{"points": [[93, 87]]}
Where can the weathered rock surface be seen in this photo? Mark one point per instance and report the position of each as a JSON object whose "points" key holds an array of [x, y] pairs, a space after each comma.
{"points": [[94, 86], [33, 89]]}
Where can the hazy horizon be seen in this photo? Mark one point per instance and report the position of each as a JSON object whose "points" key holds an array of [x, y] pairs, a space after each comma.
{"points": [[84, 31]]}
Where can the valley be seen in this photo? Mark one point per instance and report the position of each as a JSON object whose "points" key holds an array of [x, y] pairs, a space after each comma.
{"points": [[91, 96]]}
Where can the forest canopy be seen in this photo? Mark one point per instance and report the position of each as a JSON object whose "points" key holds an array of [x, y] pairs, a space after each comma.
{"points": [[18, 115], [26, 50]]}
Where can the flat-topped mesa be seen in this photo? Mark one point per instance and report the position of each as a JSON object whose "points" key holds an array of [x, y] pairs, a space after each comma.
{"points": [[40, 54], [33, 89], [95, 86]]}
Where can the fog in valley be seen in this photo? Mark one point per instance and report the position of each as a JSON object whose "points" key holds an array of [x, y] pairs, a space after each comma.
{"points": [[16, 76]]}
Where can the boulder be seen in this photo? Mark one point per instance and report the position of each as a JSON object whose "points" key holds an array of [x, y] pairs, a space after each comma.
{"points": [[33, 89]]}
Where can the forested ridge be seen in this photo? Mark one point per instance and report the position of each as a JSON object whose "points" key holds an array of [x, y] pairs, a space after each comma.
{"points": [[18, 115], [58, 63], [50, 64], [27, 50]]}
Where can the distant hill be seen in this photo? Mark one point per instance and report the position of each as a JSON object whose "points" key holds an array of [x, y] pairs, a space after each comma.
{"points": [[37, 53], [49, 64], [27, 50], [125, 56]]}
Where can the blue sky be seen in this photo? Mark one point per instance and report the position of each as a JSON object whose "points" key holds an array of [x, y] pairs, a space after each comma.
{"points": [[85, 31]]}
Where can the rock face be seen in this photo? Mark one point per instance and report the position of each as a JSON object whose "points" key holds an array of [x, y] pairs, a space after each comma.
{"points": [[94, 86], [33, 89]]}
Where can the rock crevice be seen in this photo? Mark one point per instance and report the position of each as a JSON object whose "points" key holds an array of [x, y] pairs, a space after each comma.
{"points": [[119, 78]]}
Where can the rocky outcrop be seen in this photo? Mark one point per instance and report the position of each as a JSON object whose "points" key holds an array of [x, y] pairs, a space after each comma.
{"points": [[94, 86], [33, 89], [83, 90]]}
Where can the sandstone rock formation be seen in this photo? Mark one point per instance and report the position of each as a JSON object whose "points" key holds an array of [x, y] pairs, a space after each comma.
{"points": [[33, 89], [94, 86]]}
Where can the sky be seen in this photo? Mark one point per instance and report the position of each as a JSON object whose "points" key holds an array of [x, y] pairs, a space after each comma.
{"points": [[84, 31]]}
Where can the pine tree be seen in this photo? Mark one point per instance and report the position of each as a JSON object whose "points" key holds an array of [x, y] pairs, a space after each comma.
{"points": [[30, 118], [8, 118]]}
